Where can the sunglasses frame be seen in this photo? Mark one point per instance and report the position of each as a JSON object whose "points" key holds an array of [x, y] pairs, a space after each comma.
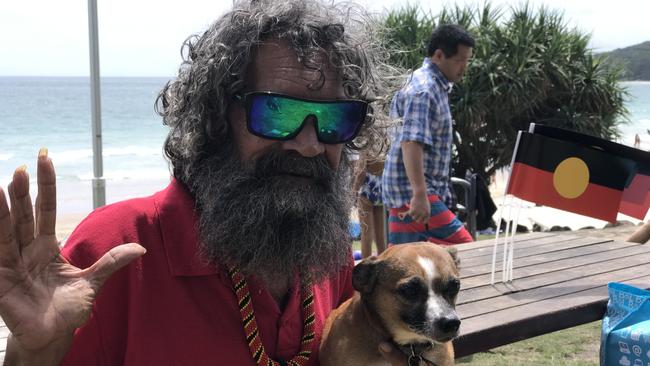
{"points": [[247, 100]]}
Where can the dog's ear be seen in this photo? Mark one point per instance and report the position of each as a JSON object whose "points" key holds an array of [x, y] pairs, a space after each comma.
{"points": [[364, 274], [454, 255]]}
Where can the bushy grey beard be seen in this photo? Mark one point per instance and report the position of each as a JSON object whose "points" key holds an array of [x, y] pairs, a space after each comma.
{"points": [[277, 215]]}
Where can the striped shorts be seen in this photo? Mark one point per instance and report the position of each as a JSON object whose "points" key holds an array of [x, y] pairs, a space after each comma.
{"points": [[443, 226]]}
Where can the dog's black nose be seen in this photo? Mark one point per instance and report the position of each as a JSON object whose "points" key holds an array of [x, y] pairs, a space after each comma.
{"points": [[448, 324]]}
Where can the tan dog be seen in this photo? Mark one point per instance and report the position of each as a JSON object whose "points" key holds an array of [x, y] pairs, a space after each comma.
{"points": [[405, 296]]}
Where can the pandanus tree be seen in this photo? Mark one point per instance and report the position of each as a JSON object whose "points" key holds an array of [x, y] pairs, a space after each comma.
{"points": [[528, 66]]}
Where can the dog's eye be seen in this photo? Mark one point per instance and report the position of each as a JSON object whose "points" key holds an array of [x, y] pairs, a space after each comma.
{"points": [[453, 286], [410, 290]]}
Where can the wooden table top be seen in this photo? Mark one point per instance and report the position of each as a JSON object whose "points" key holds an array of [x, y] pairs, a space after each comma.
{"points": [[560, 281]]}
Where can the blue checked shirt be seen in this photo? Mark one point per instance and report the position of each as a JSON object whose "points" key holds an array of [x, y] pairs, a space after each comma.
{"points": [[422, 108]]}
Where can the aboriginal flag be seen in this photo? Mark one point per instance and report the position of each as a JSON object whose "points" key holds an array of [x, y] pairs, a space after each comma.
{"points": [[569, 176], [636, 195]]}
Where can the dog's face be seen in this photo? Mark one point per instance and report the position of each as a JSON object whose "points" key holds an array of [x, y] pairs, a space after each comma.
{"points": [[412, 289]]}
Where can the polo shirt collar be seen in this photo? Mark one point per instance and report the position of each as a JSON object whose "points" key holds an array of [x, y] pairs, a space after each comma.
{"points": [[179, 230], [437, 74]]}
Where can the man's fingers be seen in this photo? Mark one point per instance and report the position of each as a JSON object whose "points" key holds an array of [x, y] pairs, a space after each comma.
{"points": [[110, 262], [415, 216], [392, 354], [46, 199], [8, 247], [21, 207]]}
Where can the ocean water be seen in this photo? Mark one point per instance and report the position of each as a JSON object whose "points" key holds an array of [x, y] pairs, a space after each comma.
{"points": [[54, 112], [638, 105]]}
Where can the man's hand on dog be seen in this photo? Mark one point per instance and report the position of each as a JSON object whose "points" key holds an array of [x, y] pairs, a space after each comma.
{"points": [[43, 298], [392, 354]]}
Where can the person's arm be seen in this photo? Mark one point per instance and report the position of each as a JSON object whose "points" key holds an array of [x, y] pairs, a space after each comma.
{"points": [[420, 209], [641, 235], [44, 298]]}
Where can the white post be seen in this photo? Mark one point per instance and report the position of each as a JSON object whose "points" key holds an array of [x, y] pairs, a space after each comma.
{"points": [[99, 186]]}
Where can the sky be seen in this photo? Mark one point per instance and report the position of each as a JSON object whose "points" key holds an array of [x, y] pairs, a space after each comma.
{"points": [[143, 37]]}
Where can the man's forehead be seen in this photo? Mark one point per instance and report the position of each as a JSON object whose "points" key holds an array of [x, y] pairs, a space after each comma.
{"points": [[271, 48], [277, 67]]}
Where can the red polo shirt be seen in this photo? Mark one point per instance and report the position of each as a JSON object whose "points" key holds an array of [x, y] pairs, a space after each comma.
{"points": [[171, 308]]}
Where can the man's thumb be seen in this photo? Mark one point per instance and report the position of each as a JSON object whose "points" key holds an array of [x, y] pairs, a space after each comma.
{"points": [[110, 262]]}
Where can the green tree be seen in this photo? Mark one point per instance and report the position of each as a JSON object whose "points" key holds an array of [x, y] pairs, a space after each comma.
{"points": [[528, 66]]}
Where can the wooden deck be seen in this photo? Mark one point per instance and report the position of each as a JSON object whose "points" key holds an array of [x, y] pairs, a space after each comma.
{"points": [[560, 281]]}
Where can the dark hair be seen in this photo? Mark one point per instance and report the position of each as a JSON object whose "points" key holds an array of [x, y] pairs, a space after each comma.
{"points": [[447, 37], [194, 105]]}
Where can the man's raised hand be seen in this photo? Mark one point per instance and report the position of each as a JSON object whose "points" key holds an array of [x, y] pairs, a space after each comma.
{"points": [[43, 298]]}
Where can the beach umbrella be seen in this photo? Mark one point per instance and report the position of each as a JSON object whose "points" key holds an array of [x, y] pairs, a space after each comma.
{"points": [[99, 185]]}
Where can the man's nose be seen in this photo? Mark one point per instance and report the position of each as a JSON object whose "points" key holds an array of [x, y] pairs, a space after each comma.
{"points": [[306, 142]]}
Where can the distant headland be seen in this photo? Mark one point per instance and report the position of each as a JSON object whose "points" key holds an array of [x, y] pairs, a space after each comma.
{"points": [[635, 60]]}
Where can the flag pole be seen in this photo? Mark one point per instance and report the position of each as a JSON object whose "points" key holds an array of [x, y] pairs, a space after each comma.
{"points": [[503, 205], [99, 185]]}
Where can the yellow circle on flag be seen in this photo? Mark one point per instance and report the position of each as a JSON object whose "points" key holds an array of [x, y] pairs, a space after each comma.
{"points": [[571, 177]]}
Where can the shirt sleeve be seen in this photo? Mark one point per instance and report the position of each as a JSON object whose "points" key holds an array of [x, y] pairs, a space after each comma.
{"points": [[420, 110]]}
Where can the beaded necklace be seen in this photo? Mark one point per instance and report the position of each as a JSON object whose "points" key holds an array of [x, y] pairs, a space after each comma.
{"points": [[240, 286]]}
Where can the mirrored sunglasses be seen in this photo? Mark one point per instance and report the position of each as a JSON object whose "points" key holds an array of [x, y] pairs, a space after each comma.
{"points": [[281, 117]]}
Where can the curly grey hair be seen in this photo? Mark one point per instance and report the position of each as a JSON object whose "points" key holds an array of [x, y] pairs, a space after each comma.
{"points": [[194, 105]]}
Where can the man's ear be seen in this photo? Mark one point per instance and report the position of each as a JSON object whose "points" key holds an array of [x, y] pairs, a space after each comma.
{"points": [[438, 54], [364, 275], [454, 255]]}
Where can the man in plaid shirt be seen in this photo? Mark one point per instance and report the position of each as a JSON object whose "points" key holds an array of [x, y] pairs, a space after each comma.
{"points": [[415, 182]]}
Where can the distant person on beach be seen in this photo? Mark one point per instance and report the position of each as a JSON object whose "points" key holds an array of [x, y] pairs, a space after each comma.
{"points": [[637, 141], [416, 182], [242, 257], [370, 208]]}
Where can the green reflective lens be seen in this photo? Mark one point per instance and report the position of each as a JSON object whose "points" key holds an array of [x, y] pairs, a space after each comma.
{"points": [[281, 117]]}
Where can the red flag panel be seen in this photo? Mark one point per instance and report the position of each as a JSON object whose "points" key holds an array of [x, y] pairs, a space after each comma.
{"points": [[536, 185], [636, 197]]}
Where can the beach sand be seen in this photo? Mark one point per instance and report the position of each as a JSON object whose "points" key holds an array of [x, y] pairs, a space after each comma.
{"points": [[66, 223]]}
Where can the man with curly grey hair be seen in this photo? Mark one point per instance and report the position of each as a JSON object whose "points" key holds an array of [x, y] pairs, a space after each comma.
{"points": [[247, 249]]}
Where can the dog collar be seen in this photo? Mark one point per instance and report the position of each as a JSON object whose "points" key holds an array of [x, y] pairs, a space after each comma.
{"points": [[414, 353]]}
